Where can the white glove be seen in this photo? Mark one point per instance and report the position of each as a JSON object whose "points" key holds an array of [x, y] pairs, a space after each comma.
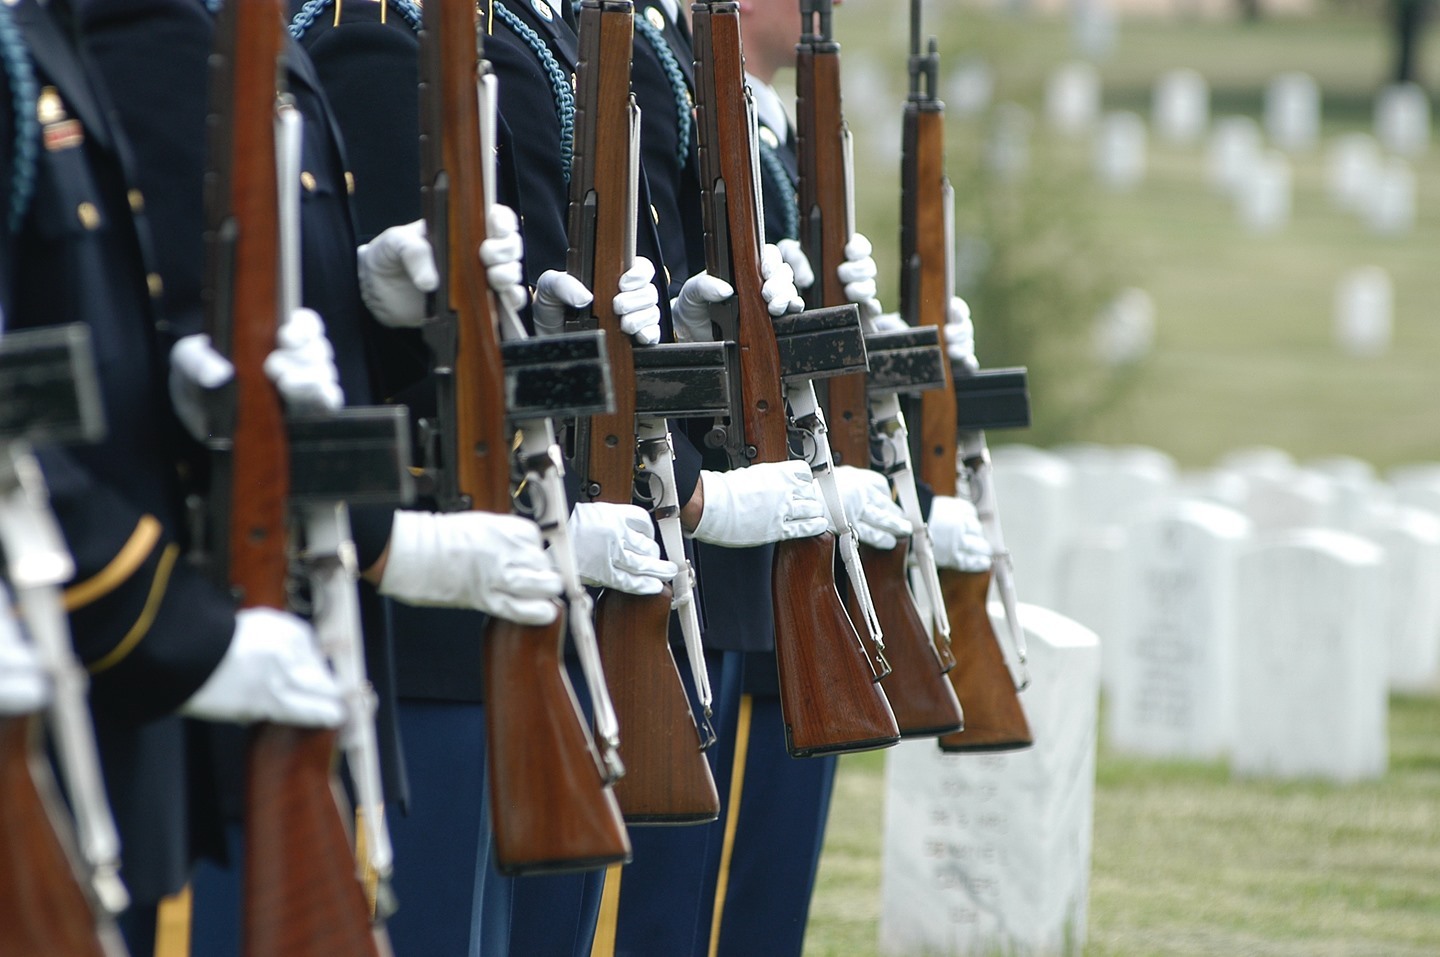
{"points": [[778, 289], [272, 671], [762, 503], [960, 333], [481, 560], [878, 521], [637, 305], [397, 269], [555, 292], [501, 254], [615, 548], [959, 540], [302, 368], [799, 263], [858, 271], [690, 311], [24, 686], [889, 322]]}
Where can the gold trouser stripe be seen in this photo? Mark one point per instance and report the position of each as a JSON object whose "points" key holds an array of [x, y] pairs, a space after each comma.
{"points": [[147, 614], [130, 557], [172, 930], [608, 926], [732, 817]]}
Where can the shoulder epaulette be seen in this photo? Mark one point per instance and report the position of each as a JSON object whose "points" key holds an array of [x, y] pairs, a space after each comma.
{"points": [[409, 11], [23, 93]]}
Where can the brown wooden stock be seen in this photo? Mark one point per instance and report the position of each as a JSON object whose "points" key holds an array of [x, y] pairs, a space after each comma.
{"points": [[44, 910], [551, 812], [919, 693], [994, 720], [667, 779]]}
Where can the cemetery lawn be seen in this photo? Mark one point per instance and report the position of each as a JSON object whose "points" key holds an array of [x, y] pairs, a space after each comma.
{"points": [[1188, 861]]}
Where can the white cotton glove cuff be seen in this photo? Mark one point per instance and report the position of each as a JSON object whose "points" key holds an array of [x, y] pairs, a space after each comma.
{"points": [[794, 255], [195, 368], [502, 254], [959, 540], [481, 560], [615, 547], [303, 365], [24, 686], [637, 304], [397, 269], [690, 311], [272, 671], [877, 520], [762, 503], [778, 283], [557, 292]]}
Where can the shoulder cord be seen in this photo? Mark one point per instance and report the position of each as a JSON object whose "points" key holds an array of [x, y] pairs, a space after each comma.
{"points": [[789, 205], [23, 94], [677, 85], [564, 95]]}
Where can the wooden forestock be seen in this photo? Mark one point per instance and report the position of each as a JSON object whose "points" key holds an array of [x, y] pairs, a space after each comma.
{"points": [[828, 696], [302, 894], [667, 779], [921, 697], [550, 807], [993, 716]]}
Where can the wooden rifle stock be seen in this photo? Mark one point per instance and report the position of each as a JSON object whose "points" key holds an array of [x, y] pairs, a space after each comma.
{"points": [[303, 897], [828, 695], [667, 779], [921, 697], [44, 910], [550, 807], [994, 719]]}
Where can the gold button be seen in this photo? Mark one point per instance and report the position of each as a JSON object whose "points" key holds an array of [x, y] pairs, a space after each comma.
{"points": [[349, 182], [655, 214], [49, 108], [137, 200], [89, 215], [155, 284], [307, 179]]}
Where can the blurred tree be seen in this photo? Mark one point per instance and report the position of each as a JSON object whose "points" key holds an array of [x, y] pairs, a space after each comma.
{"points": [[1409, 18]]}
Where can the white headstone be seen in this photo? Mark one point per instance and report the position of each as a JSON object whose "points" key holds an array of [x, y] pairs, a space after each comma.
{"points": [[1411, 620], [1170, 665], [1093, 28], [1390, 210], [1352, 168], [1292, 112], [1180, 107], [1007, 150], [1089, 587], [1364, 312], [1263, 196], [970, 87], [1291, 498], [1402, 119], [1072, 98], [1219, 486], [1235, 146], [1124, 329], [1416, 483], [1032, 487], [1251, 458], [1358, 489], [1120, 150], [990, 853], [1113, 482], [1310, 694]]}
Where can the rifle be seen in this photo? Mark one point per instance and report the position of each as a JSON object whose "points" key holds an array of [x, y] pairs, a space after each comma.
{"points": [[303, 897], [668, 780], [59, 888], [923, 700], [551, 802], [994, 720], [829, 696]]}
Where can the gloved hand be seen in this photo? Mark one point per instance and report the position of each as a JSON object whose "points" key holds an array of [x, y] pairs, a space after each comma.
{"points": [[778, 289], [878, 521], [302, 368], [24, 686], [481, 560], [615, 547], [501, 254], [959, 540], [858, 272], [794, 255], [555, 292], [397, 269], [889, 322], [637, 304], [960, 333], [272, 671], [769, 502], [690, 311]]}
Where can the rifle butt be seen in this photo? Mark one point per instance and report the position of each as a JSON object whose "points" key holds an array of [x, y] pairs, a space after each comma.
{"points": [[828, 693], [921, 696], [667, 779], [551, 809], [994, 720], [44, 909], [303, 895]]}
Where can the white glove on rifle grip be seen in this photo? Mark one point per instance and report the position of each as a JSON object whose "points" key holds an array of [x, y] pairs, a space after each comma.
{"points": [[481, 560], [502, 254], [857, 273], [799, 263], [770, 502], [397, 269], [690, 311], [615, 547], [877, 520], [957, 535], [960, 333], [24, 686], [272, 671], [555, 292]]}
